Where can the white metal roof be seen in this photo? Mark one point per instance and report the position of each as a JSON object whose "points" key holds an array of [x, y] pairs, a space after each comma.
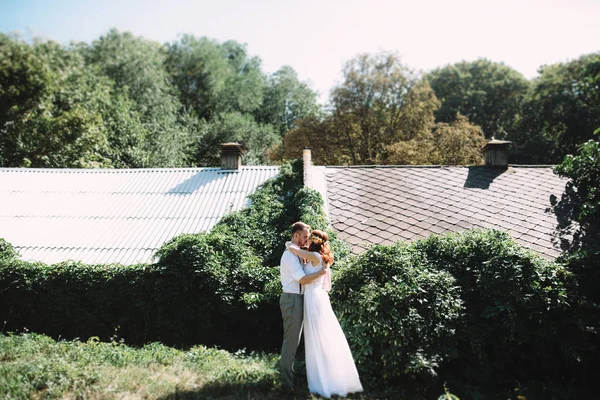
{"points": [[103, 216]]}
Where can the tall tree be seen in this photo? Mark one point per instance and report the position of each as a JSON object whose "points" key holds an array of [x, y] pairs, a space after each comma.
{"points": [[322, 136], [215, 78], [286, 101], [139, 66], [454, 143], [50, 107], [489, 94], [561, 110], [380, 102]]}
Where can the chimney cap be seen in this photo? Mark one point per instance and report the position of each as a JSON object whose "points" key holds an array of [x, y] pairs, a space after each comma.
{"points": [[233, 146], [496, 142]]}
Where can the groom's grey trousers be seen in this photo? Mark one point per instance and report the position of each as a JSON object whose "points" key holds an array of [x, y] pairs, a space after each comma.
{"points": [[292, 311]]}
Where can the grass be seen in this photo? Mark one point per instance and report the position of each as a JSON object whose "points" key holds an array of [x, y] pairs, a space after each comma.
{"points": [[34, 366]]}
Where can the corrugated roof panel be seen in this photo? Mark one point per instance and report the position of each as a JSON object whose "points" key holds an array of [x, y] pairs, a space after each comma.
{"points": [[110, 216]]}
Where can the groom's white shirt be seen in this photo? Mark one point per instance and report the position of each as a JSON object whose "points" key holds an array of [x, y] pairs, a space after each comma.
{"points": [[291, 272]]}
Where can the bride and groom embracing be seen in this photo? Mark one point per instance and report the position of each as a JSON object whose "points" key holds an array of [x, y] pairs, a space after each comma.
{"points": [[306, 279]]}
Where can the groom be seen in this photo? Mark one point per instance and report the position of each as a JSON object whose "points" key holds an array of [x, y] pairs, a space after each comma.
{"points": [[291, 302]]}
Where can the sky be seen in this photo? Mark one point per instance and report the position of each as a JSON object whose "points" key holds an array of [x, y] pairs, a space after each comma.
{"points": [[316, 37]]}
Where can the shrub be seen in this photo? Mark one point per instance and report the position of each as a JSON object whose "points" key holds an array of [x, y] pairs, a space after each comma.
{"points": [[218, 275], [194, 294], [7, 251], [399, 313], [474, 308], [517, 323], [265, 225], [219, 287], [76, 300]]}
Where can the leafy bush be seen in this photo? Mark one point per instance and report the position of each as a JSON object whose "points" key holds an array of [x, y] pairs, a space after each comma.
{"points": [[578, 214], [215, 276], [219, 287], [475, 308], [399, 313], [265, 225], [7, 251], [517, 321]]}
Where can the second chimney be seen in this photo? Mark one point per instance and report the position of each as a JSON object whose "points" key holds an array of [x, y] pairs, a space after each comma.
{"points": [[495, 153], [231, 156]]}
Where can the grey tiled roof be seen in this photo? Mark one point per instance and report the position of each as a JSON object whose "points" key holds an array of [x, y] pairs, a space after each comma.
{"points": [[381, 205]]}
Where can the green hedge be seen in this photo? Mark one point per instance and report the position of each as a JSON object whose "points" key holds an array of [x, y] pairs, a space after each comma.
{"points": [[474, 309], [217, 288], [398, 312], [517, 324]]}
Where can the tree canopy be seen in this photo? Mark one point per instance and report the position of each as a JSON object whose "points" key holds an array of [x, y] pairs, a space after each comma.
{"points": [[123, 101], [487, 93], [560, 111]]}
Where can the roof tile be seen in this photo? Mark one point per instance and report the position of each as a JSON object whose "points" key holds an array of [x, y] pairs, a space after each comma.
{"points": [[411, 202]]}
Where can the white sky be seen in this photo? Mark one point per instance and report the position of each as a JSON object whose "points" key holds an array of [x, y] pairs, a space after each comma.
{"points": [[317, 37]]}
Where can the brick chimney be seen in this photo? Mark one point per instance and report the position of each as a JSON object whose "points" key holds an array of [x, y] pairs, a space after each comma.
{"points": [[495, 153], [231, 156]]}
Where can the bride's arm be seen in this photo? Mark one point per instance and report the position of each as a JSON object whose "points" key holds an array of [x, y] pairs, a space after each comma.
{"points": [[306, 279], [309, 255]]}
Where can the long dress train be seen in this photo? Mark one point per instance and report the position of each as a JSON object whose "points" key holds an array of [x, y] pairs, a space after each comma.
{"points": [[330, 368]]}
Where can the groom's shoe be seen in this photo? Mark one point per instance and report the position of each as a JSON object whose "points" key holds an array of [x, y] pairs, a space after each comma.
{"points": [[287, 392]]}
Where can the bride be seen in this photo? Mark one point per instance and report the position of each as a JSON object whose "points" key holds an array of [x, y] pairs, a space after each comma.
{"points": [[330, 368]]}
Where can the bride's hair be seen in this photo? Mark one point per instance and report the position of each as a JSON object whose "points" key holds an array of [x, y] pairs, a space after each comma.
{"points": [[321, 245]]}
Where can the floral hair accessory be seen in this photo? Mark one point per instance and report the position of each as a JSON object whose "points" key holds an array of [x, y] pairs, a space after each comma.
{"points": [[316, 240]]}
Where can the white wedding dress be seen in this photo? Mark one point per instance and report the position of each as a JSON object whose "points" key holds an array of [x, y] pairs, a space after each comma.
{"points": [[330, 368]]}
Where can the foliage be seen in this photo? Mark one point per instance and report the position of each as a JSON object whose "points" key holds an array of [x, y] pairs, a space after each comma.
{"points": [[50, 107], [560, 111], [7, 251], [383, 113], [138, 65], [399, 315], [489, 94], [474, 308], [380, 102], [459, 143], [36, 366], [265, 225], [213, 275], [578, 214], [127, 102], [517, 324], [456, 143], [194, 294], [286, 101], [579, 208], [321, 135], [233, 127], [215, 78]]}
